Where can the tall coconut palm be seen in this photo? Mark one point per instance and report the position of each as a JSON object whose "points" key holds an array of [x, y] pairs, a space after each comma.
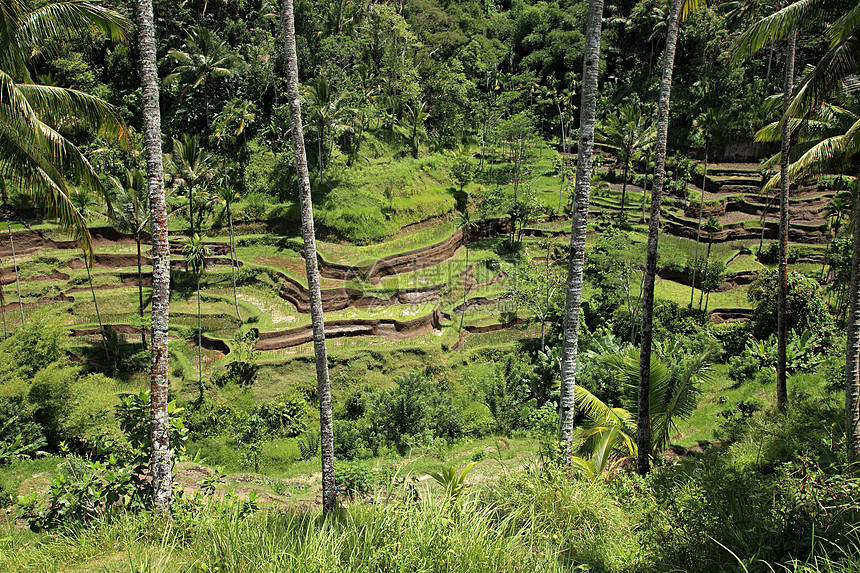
{"points": [[467, 225], [15, 269], [418, 114], [228, 194], [159, 425], [206, 57], [192, 167], [837, 65], [784, 183], [772, 28], [131, 214], [320, 354], [195, 253], [678, 10], [704, 125], [328, 113], [712, 225], [579, 220], [3, 312], [628, 132]]}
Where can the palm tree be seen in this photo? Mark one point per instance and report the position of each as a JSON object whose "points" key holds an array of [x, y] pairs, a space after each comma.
{"points": [[192, 166], [627, 132], [836, 209], [132, 216], [320, 354], [579, 220], [776, 27], [3, 311], [34, 156], [785, 182], [15, 266], [678, 10], [162, 486], [327, 113], [206, 56], [837, 65], [712, 225], [672, 396], [468, 225], [704, 125], [418, 114], [195, 253], [228, 194]]}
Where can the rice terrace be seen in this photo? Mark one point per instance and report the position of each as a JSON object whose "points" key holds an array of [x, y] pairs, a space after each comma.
{"points": [[418, 285]]}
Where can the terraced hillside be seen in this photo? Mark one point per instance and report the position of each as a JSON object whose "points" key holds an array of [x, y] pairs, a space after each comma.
{"points": [[405, 292]]}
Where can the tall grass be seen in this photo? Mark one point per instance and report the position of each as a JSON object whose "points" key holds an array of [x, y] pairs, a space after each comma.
{"points": [[433, 535]]}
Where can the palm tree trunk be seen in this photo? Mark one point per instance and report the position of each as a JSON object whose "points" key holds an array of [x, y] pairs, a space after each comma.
{"points": [[624, 191], [160, 455], [782, 313], [140, 290], [3, 312], [191, 208], [15, 267], [643, 420], [320, 355], [320, 153], [852, 347], [705, 270], [465, 290], [199, 333], [95, 303], [579, 220], [563, 155], [699, 228], [233, 262]]}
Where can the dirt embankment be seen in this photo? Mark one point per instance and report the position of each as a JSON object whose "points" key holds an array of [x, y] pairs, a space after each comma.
{"points": [[732, 280], [395, 264], [14, 306], [342, 298], [720, 315], [385, 327], [467, 276], [414, 260], [7, 276], [31, 240]]}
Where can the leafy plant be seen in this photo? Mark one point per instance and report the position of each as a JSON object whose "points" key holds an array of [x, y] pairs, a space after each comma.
{"points": [[453, 482]]}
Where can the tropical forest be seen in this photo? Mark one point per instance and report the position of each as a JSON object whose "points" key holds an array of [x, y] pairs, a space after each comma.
{"points": [[440, 286]]}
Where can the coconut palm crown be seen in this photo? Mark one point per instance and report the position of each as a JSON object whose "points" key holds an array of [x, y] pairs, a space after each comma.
{"points": [[34, 155]]}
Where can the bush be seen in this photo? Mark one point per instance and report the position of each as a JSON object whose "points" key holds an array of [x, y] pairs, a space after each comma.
{"points": [[20, 437], [807, 309], [769, 254], [353, 479], [33, 346], [413, 407], [349, 440], [286, 416]]}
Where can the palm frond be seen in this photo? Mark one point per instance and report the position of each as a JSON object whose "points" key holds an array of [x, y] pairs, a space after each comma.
{"points": [[839, 62], [691, 6], [68, 109], [65, 17], [776, 27]]}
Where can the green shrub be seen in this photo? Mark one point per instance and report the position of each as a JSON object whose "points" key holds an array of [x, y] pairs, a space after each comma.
{"points": [[414, 406], [349, 440], [285, 416], [353, 479], [807, 309], [20, 436]]}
